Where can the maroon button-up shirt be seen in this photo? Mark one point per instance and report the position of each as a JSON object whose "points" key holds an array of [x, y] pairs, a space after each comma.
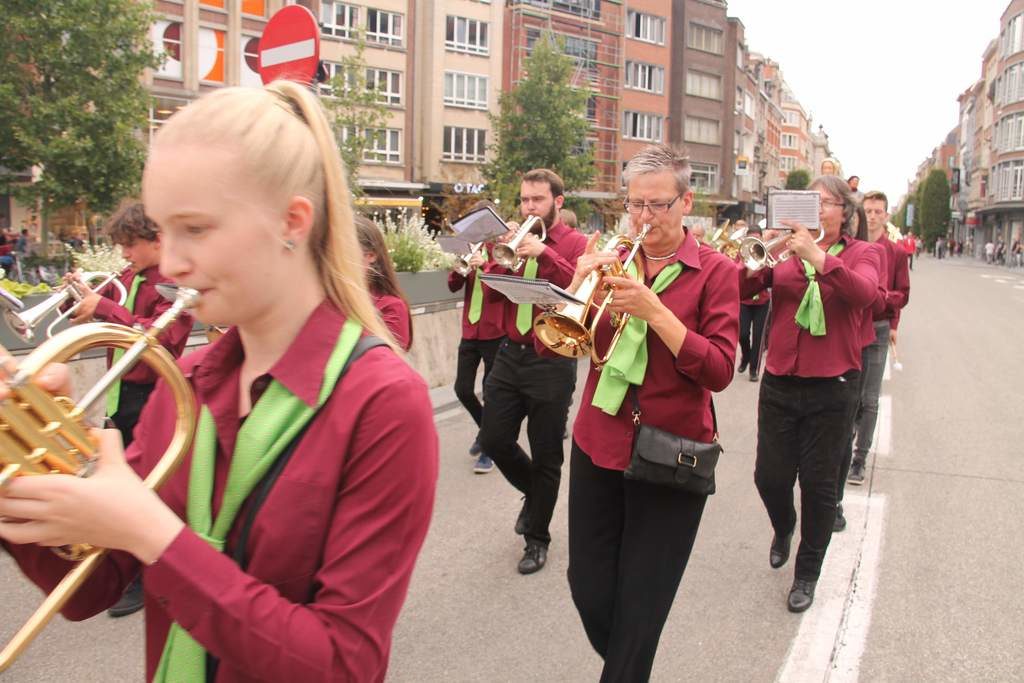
{"points": [[676, 391], [148, 307], [556, 264], [897, 281], [849, 284], [332, 549], [489, 326], [396, 316]]}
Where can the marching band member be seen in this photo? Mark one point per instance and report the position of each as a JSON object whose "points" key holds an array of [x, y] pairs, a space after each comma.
{"points": [[629, 541], [811, 377], [139, 239], [753, 315], [318, 585], [385, 291], [482, 332], [524, 385]]}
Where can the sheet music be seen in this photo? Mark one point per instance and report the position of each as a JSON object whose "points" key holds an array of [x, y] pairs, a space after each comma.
{"points": [[793, 205], [453, 244], [522, 291], [481, 225]]}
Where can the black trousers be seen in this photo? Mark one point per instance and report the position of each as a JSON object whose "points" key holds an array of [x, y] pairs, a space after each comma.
{"points": [[752, 321], [471, 352], [129, 407], [803, 432], [523, 385], [629, 543]]}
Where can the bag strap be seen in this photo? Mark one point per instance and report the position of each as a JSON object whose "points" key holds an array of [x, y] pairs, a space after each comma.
{"points": [[636, 410], [270, 478]]}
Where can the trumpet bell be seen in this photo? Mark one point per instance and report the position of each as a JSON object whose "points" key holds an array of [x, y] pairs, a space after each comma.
{"points": [[564, 334]]}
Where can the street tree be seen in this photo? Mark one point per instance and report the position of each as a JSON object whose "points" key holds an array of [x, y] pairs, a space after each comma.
{"points": [[359, 111], [72, 101], [542, 123], [798, 179], [934, 208]]}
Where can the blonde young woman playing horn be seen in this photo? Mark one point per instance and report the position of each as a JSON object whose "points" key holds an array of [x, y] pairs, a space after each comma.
{"points": [[247, 187]]}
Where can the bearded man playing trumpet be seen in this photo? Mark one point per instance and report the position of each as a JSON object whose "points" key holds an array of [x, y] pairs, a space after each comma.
{"points": [[139, 240], [629, 539]]}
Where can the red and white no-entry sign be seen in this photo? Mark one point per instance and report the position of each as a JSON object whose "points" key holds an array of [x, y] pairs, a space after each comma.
{"points": [[290, 46]]}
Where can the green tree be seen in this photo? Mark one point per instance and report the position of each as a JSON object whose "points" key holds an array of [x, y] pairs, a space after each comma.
{"points": [[798, 179], [542, 123], [935, 213], [359, 111], [915, 199], [72, 100]]}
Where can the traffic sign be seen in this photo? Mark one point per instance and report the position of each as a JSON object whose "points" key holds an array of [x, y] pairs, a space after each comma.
{"points": [[290, 46]]}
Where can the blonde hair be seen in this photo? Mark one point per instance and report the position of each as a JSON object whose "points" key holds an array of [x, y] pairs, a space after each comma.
{"points": [[287, 147]]}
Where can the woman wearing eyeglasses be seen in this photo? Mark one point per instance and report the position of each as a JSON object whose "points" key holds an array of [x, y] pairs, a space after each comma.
{"points": [[629, 540], [811, 378]]}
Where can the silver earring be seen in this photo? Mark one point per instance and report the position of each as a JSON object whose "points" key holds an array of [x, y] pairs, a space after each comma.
{"points": [[289, 245]]}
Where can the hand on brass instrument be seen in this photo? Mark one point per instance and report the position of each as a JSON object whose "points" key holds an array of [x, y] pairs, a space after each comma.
{"points": [[86, 308], [800, 241], [513, 228], [632, 297], [476, 260], [530, 246], [769, 234]]}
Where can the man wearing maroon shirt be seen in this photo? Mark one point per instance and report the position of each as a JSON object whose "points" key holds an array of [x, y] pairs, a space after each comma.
{"points": [[897, 282], [139, 240], [819, 299], [523, 385]]}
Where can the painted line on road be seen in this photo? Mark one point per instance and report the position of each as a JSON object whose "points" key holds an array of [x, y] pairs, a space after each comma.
{"points": [[882, 440]]}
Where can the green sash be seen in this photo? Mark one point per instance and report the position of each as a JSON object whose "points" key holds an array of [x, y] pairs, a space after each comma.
{"points": [[524, 313], [274, 421], [114, 393], [476, 299], [628, 363], [811, 313]]}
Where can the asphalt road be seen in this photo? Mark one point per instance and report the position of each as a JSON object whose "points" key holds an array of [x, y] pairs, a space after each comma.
{"points": [[925, 584]]}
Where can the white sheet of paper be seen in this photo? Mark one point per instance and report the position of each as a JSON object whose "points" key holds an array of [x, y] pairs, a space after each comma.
{"points": [[793, 205], [521, 291], [451, 244]]}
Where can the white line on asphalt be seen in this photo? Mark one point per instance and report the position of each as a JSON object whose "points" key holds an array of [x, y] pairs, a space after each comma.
{"points": [[1001, 281], [985, 275], [853, 633], [882, 441]]}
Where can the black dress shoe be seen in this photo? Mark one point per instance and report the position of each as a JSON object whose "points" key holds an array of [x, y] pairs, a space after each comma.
{"points": [[523, 520], [779, 552], [840, 523], [743, 366], [534, 558], [856, 476], [131, 600], [753, 375], [801, 595]]}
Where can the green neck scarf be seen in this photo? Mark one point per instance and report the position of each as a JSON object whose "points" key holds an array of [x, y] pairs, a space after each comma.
{"points": [[274, 421], [476, 299], [811, 313], [628, 363], [524, 313], [114, 393]]}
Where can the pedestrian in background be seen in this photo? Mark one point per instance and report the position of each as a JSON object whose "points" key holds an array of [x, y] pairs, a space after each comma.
{"points": [[568, 216], [383, 282]]}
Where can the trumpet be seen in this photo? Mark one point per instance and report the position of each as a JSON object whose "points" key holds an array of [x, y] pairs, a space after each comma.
{"points": [[566, 332], [505, 254], [461, 264], [24, 322], [727, 243], [757, 253], [41, 434]]}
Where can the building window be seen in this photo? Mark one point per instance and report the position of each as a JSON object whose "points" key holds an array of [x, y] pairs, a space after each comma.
{"points": [[792, 118], [384, 28], [748, 105], [645, 27], [704, 178], [788, 141], [592, 109], [589, 9], [704, 131], [388, 85], [466, 35], [166, 38], [641, 126], [583, 51], [211, 55], [256, 8], [645, 77], [787, 163], [702, 84], [705, 38], [464, 144], [339, 19], [465, 90], [161, 109], [333, 70], [1013, 37], [384, 145], [250, 71]]}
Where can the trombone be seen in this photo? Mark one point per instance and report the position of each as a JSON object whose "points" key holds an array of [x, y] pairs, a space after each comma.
{"points": [[505, 254], [566, 332], [461, 263], [24, 322], [756, 253], [41, 434]]}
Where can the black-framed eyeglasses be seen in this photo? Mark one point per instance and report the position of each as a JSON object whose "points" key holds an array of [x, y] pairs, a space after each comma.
{"points": [[655, 207]]}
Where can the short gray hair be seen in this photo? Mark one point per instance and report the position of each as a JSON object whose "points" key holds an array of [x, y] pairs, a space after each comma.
{"points": [[657, 159]]}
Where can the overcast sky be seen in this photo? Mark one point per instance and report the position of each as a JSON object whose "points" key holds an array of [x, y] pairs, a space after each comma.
{"points": [[882, 76]]}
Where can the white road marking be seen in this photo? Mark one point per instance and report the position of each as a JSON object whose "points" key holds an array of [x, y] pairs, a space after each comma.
{"points": [[882, 441], [1002, 281], [986, 275]]}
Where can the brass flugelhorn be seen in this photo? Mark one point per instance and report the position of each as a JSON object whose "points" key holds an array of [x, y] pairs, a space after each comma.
{"points": [[24, 323], [461, 262], [756, 253], [41, 434], [505, 253]]}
